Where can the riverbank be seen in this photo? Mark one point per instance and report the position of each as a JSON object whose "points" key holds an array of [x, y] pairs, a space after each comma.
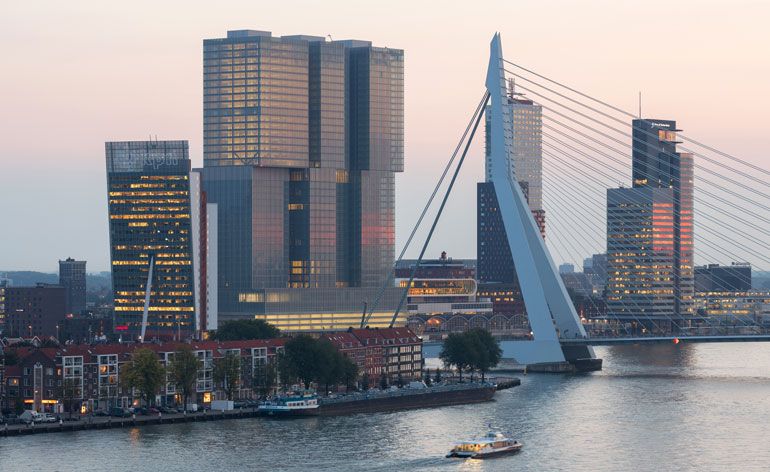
{"points": [[87, 423], [372, 401]]}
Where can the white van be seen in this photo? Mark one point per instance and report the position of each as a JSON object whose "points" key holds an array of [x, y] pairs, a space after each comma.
{"points": [[31, 416]]}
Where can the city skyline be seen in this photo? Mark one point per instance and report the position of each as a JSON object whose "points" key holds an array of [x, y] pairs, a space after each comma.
{"points": [[153, 100]]}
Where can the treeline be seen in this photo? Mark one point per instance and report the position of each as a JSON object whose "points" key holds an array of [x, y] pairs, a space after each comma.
{"points": [[308, 360], [473, 350]]}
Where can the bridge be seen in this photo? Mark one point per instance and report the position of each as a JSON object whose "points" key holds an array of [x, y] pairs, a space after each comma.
{"points": [[585, 144]]}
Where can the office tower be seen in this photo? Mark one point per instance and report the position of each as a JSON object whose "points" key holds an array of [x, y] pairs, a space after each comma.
{"points": [[566, 268], [657, 164], [155, 238], [640, 255], [34, 311], [302, 139], [4, 284], [72, 276], [718, 278], [527, 151]]}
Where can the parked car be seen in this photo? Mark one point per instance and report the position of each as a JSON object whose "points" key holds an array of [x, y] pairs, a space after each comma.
{"points": [[166, 410], [120, 412], [153, 410], [48, 418], [101, 413]]}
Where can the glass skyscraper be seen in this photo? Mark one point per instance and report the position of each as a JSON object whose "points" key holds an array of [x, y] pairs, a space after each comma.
{"points": [[150, 224], [650, 230], [302, 139]]}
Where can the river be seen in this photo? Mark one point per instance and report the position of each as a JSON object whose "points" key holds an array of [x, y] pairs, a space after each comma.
{"points": [[657, 408]]}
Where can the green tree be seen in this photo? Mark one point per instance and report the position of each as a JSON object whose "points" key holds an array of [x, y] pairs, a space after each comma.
{"points": [[458, 351], [428, 379], [437, 379], [349, 372], [365, 380], [301, 359], [183, 372], [486, 348], [383, 381], [237, 330], [227, 372], [144, 373], [328, 364]]}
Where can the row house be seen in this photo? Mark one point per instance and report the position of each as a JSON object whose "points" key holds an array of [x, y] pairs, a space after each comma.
{"points": [[349, 346], [33, 382], [88, 376], [393, 352]]}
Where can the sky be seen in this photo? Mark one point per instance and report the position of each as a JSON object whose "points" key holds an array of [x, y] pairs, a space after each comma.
{"points": [[78, 73]]}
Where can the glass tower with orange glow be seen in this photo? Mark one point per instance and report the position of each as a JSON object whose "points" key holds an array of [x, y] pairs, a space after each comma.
{"points": [[150, 223], [650, 232]]}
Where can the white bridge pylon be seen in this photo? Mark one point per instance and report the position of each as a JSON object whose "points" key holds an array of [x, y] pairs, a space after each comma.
{"points": [[548, 305]]}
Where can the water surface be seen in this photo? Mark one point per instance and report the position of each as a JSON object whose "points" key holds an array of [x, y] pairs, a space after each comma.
{"points": [[653, 408]]}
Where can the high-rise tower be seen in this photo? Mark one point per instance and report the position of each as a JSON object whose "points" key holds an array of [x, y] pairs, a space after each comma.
{"points": [[650, 231], [302, 139]]}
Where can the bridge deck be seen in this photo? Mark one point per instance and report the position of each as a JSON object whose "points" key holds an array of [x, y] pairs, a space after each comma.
{"points": [[668, 339]]}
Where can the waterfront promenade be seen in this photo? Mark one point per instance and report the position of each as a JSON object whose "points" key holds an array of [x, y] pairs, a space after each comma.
{"points": [[105, 422]]}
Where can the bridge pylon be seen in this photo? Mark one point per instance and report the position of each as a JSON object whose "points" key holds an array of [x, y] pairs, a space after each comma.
{"points": [[549, 308]]}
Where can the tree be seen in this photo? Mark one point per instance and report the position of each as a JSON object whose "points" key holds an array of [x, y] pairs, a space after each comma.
{"points": [[349, 372], [365, 381], [227, 372], [458, 351], [328, 364], [301, 360], [183, 372], [486, 348], [400, 380], [437, 379], [144, 373], [237, 330], [428, 380], [383, 381]]}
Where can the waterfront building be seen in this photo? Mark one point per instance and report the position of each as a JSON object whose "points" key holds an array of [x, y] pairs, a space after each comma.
{"points": [[640, 255], [394, 352], [92, 371], [72, 276], [442, 297], [742, 309], [656, 163], [158, 241], [302, 140], [34, 311], [718, 278], [650, 232]]}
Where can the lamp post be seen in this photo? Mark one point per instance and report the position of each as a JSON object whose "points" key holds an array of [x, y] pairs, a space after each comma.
{"points": [[30, 330]]}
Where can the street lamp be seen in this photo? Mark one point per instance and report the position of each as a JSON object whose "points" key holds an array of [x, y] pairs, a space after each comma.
{"points": [[30, 330]]}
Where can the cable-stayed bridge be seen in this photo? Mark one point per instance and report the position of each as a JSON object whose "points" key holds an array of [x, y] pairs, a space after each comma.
{"points": [[700, 202]]}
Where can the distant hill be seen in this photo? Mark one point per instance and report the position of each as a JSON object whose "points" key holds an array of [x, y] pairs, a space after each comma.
{"points": [[23, 278]]}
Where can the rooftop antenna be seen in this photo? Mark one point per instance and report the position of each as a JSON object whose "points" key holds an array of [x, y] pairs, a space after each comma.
{"points": [[640, 104], [330, 37]]}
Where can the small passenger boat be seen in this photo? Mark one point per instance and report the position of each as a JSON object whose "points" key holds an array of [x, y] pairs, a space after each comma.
{"points": [[491, 445], [291, 405]]}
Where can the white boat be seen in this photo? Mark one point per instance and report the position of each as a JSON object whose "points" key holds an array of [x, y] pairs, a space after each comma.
{"points": [[294, 405], [491, 445]]}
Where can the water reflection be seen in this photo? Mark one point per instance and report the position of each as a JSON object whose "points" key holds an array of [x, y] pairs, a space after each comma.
{"points": [[665, 407]]}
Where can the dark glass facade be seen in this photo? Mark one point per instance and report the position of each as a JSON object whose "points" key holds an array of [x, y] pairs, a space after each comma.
{"points": [[305, 184], [72, 276], [656, 163], [150, 220], [719, 278]]}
